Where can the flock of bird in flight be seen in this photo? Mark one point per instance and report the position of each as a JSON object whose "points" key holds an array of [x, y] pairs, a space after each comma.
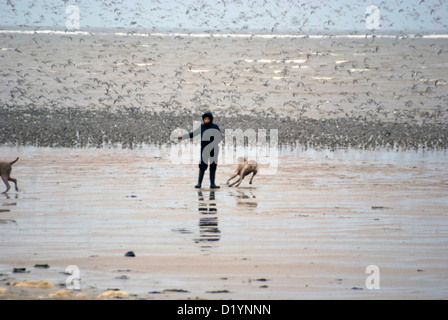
{"points": [[224, 15]]}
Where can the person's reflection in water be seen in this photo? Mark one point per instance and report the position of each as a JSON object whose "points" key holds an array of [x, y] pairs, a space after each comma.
{"points": [[209, 232]]}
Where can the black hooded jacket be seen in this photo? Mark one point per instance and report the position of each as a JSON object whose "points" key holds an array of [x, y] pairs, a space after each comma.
{"points": [[206, 137]]}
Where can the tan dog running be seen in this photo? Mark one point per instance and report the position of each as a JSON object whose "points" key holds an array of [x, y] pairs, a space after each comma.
{"points": [[244, 168], [5, 173]]}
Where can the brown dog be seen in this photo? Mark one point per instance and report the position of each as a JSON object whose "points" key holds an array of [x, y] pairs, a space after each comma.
{"points": [[244, 168], [5, 173]]}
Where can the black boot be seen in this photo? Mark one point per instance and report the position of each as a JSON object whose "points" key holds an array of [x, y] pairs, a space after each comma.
{"points": [[201, 176], [212, 179]]}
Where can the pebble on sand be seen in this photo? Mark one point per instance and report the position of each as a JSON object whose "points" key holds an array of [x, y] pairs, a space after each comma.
{"points": [[19, 270], [129, 254]]}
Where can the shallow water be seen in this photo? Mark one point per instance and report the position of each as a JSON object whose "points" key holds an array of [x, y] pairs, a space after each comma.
{"points": [[310, 230]]}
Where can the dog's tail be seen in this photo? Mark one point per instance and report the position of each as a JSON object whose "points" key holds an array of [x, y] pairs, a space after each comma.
{"points": [[11, 163]]}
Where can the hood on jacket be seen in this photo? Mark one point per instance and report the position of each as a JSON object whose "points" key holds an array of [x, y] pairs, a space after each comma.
{"points": [[209, 115]]}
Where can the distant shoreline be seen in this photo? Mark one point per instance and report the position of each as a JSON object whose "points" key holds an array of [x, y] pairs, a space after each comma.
{"points": [[203, 34]]}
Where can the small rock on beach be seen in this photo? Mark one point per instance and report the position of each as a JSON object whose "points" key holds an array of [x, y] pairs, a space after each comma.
{"points": [[129, 254]]}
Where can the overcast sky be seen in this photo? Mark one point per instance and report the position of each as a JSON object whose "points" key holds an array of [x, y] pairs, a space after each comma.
{"points": [[265, 16]]}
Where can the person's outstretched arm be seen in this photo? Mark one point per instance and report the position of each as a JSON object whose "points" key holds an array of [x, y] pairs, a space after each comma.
{"points": [[190, 135]]}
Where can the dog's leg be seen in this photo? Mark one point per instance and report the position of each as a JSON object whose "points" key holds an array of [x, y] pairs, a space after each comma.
{"points": [[15, 182], [231, 185], [236, 173], [239, 182], [252, 178], [242, 175], [5, 180], [236, 181]]}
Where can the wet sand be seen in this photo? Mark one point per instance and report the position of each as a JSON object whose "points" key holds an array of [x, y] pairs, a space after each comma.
{"points": [[331, 216], [308, 232]]}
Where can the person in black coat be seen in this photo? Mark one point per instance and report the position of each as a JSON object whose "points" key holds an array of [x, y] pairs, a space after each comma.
{"points": [[210, 138]]}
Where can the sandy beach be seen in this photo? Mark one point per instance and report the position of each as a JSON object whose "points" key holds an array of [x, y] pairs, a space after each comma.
{"points": [[331, 216], [361, 179]]}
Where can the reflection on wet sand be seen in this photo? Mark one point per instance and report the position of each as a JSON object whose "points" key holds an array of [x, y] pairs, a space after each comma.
{"points": [[245, 197], [4, 208], [312, 229], [208, 221], [7, 203], [8, 196]]}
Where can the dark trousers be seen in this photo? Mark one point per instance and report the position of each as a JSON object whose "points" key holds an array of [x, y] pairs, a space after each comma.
{"points": [[203, 166], [206, 159]]}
